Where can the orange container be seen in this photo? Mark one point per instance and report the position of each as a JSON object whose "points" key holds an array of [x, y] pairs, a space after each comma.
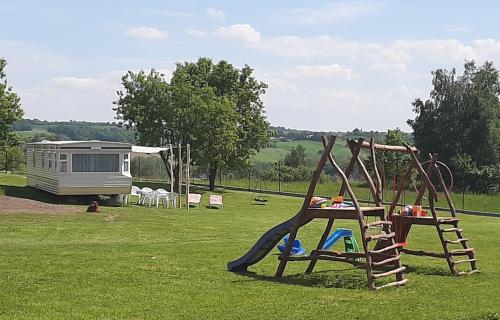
{"points": [[338, 199], [423, 213], [415, 210]]}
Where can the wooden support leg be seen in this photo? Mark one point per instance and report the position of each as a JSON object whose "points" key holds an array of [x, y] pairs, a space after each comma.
{"points": [[286, 253], [321, 242]]}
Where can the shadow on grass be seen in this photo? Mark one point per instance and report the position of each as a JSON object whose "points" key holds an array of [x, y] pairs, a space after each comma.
{"points": [[31, 193], [322, 279], [427, 270]]}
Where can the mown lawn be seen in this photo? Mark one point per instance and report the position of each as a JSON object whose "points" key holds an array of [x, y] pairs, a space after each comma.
{"points": [[145, 263]]}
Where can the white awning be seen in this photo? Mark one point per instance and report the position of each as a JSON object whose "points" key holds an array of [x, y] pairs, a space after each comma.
{"points": [[148, 150]]}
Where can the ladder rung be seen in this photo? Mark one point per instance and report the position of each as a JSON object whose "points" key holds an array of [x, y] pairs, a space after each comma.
{"points": [[452, 230], [392, 284], [448, 220], [378, 223], [466, 273], [394, 246], [457, 241], [458, 252], [388, 273], [386, 261], [464, 261], [382, 236]]}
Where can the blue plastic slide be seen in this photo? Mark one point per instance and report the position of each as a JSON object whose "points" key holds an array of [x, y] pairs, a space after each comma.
{"points": [[297, 248], [336, 236]]}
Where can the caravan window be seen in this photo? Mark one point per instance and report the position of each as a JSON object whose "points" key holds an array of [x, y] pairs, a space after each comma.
{"points": [[95, 163]]}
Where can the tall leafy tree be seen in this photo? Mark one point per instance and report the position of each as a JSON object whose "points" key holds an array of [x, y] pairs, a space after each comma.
{"points": [[216, 108], [296, 157], [10, 109], [461, 116]]}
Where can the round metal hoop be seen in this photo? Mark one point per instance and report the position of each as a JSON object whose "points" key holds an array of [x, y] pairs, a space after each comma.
{"points": [[439, 163]]}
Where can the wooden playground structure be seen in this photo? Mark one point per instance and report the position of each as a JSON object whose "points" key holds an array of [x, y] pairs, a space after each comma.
{"points": [[381, 256]]}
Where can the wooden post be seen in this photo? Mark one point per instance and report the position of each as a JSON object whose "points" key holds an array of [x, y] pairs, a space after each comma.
{"points": [[180, 175], [171, 160], [362, 226], [371, 185], [401, 187], [355, 150], [423, 173], [375, 169], [305, 205], [188, 174], [321, 242]]}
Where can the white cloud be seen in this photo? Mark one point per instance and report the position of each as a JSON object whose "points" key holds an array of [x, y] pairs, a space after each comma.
{"points": [[78, 83], [395, 54], [147, 33], [340, 94], [215, 14], [197, 33], [332, 13], [242, 32], [389, 67], [331, 70]]}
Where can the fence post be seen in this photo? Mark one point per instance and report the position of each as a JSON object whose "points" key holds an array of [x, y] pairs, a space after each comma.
{"points": [[249, 174]]}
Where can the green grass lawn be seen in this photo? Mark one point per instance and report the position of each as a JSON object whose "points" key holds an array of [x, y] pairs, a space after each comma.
{"points": [[146, 263]]}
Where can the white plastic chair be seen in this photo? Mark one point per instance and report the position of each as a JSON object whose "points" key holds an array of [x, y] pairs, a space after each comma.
{"points": [[134, 192], [147, 194], [171, 198], [161, 194]]}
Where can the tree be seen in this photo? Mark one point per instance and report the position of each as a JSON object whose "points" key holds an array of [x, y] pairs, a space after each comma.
{"points": [[296, 157], [10, 112], [461, 117], [391, 165], [216, 108]]}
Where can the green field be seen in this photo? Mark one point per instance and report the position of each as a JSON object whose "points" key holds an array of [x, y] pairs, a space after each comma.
{"points": [[313, 151], [146, 263]]}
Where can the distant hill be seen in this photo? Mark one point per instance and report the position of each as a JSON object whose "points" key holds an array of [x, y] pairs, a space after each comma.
{"points": [[313, 151], [283, 140], [32, 130]]}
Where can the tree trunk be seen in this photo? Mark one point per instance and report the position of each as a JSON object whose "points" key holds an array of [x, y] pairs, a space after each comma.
{"points": [[212, 175], [175, 169]]}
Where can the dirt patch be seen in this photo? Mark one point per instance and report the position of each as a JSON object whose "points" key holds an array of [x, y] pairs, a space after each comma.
{"points": [[21, 205]]}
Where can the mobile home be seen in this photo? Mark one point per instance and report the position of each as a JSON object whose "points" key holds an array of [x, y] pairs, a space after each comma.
{"points": [[79, 167]]}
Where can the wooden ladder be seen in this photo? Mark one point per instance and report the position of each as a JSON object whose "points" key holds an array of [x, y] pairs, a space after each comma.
{"points": [[450, 253], [384, 257]]}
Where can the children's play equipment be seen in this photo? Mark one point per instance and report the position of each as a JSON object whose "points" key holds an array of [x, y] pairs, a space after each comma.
{"points": [[350, 243], [297, 248], [403, 221], [380, 250], [258, 197]]}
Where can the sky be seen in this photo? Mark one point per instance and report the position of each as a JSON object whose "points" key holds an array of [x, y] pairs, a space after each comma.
{"points": [[330, 65]]}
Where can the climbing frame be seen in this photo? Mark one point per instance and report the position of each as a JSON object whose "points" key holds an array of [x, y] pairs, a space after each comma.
{"points": [[386, 258], [443, 225]]}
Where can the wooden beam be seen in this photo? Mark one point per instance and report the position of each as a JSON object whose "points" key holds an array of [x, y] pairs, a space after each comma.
{"points": [[352, 146], [375, 169], [383, 147]]}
